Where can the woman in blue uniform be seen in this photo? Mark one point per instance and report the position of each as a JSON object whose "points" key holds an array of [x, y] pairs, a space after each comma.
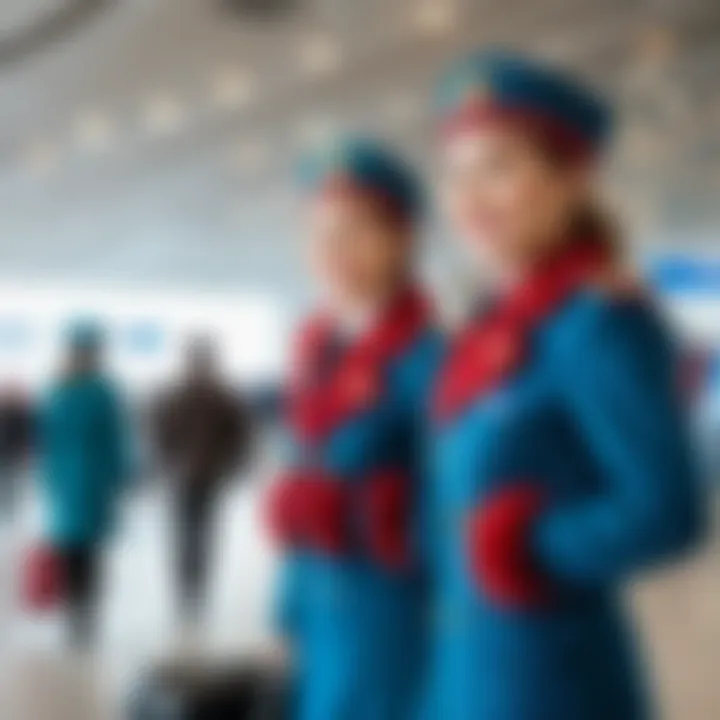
{"points": [[348, 506], [562, 465]]}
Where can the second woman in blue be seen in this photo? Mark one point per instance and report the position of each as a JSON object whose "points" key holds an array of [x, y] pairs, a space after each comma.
{"points": [[351, 603], [562, 463]]}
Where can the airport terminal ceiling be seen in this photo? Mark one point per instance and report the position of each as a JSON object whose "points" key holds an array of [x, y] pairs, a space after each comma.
{"points": [[151, 142]]}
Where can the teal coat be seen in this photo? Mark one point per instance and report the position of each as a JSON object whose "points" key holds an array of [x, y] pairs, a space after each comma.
{"points": [[83, 461]]}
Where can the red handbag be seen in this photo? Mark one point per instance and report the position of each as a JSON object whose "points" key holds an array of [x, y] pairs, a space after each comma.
{"points": [[43, 579]]}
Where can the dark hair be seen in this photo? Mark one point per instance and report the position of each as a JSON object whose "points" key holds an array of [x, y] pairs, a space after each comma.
{"points": [[594, 224]]}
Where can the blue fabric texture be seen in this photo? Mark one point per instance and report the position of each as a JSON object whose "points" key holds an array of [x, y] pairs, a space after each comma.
{"points": [[84, 456], [358, 630]]}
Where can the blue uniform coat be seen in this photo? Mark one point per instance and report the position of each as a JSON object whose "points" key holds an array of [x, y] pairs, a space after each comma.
{"points": [[357, 626], [589, 417], [83, 459]]}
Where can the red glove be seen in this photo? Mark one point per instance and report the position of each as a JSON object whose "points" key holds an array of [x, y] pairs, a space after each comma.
{"points": [[387, 510], [309, 510], [324, 515], [499, 546], [282, 511]]}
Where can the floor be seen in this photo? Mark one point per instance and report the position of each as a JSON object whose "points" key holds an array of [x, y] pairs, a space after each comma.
{"points": [[39, 681], [679, 612]]}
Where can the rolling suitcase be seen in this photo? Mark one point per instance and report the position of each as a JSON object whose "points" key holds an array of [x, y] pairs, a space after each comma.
{"points": [[234, 691]]}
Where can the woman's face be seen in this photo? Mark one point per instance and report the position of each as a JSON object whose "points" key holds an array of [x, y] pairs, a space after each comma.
{"points": [[506, 199], [357, 255]]}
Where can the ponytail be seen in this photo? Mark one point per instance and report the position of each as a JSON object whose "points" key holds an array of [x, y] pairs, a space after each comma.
{"points": [[595, 225]]}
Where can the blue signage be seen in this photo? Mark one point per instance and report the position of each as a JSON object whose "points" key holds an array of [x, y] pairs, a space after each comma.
{"points": [[144, 338], [683, 274], [15, 334]]}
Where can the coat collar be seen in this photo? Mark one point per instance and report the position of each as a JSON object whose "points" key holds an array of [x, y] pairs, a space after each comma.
{"points": [[320, 404], [493, 346]]}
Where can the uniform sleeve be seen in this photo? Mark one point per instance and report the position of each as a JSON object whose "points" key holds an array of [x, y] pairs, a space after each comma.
{"points": [[419, 388], [616, 374], [287, 601]]}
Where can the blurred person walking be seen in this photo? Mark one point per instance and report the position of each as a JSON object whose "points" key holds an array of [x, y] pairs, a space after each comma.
{"points": [[84, 463], [203, 437], [348, 509], [563, 466], [16, 441]]}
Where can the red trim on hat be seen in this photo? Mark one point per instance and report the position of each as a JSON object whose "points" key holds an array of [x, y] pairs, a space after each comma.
{"points": [[560, 137], [319, 405], [493, 347]]}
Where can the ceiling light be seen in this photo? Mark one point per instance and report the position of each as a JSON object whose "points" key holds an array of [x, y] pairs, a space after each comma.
{"points": [[320, 56], [232, 89], [94, 132], [163, 115], [436, 17]]}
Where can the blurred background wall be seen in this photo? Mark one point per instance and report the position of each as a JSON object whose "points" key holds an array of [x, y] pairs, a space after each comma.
{"points": [[148, 144]]}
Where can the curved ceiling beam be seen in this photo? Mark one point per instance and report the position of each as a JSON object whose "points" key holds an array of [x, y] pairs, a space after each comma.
{"points": [[48, 28]]}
